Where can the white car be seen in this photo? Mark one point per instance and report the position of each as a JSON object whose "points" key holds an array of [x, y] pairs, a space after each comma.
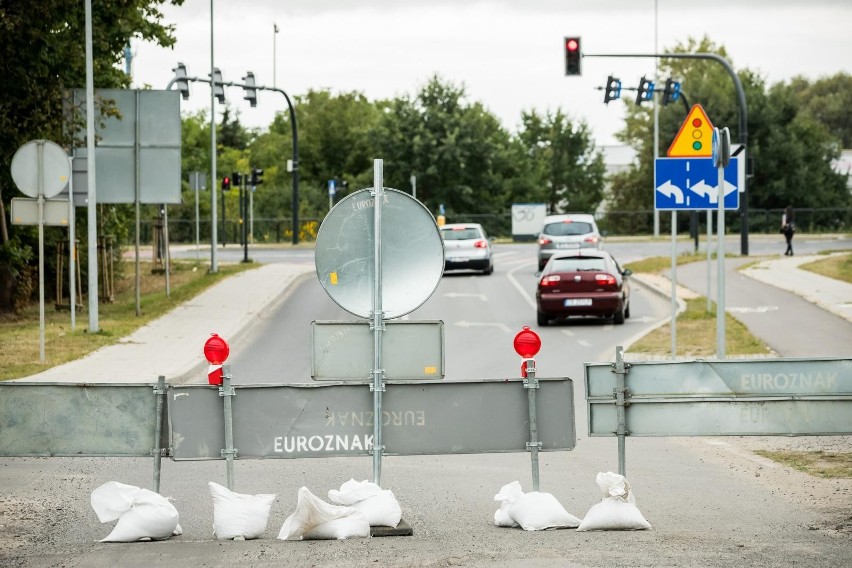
{"points": [[567, 232], [466, 247]]}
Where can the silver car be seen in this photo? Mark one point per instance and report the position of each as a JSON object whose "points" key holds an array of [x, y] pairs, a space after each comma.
{"points": [[466, 247], [567, 232]]}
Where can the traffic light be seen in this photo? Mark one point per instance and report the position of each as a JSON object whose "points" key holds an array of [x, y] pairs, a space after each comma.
{"points": [[226, 183], [237, 179], [572, 56], [645, 92], [256, 176], [612, 91], [218, 86], [671, 92], [180, 80], [251, 92]]}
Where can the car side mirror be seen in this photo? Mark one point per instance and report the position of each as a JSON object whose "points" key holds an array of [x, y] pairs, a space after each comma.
{"points": [[626, 272]]}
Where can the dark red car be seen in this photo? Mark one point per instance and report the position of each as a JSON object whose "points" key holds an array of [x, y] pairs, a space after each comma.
{"points": [[584, 282]]}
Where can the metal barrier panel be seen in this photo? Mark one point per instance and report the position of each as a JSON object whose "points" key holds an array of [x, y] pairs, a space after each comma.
{"points": [[60, 419], [326, 420], [724, 398]]}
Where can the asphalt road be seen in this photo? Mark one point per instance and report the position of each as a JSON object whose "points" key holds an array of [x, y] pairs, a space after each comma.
{"points": [[710, 504]]}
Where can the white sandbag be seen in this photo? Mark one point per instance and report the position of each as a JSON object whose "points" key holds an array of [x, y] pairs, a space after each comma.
{"points": [[533, 511], [617, 510], [316, 519], [239, 516], [141, 514], [379, 505]]}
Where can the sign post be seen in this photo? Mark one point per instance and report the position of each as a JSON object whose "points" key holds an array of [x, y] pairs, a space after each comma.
{"points": [[721, 158], [41, 169]]}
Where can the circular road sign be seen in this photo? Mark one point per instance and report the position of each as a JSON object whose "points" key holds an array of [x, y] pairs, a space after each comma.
{"points": [[54, 165], [412, 254]]}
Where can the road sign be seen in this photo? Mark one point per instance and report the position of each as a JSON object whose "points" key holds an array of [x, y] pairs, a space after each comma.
{"points": [[412, 254], [343, 351], [25, 212], [41, 166], [331, 190], [691, 184], [693, 140]]}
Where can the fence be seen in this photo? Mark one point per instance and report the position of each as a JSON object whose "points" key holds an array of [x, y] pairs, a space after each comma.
{"points": [[615, 223]]}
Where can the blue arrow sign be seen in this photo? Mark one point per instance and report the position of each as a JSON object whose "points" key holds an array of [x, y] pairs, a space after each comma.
{"points": [[331, 188], [690, 184]]}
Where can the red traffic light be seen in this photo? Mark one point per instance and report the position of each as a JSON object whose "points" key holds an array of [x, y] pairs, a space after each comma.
{"points": [[216, 350], [572, 44], [527, 343]]}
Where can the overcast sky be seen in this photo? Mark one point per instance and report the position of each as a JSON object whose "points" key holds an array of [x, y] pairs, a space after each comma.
{"points": [[507, 54]]}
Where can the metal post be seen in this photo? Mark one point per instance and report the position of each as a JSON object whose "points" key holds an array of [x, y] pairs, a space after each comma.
{"points": [[674, 284], [709, 262], [160, 393], [720, 262], [378, 321], [72, 250], [620, 369], [166, 246], [40, 177], [656, 112], [214, 262], [137, 198], [197, 223], [227, 391], [531, 384], [91, 171]]}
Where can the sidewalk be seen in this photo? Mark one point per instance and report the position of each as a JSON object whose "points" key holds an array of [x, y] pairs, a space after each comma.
{"points": [[173, 344]]}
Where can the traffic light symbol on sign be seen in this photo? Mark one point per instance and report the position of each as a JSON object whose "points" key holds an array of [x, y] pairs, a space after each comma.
{"points": [[693, 140], [573, 54]]}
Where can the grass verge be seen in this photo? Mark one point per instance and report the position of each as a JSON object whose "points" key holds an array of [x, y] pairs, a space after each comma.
{"points": [[19, 335], [838, 267], [819, 464]]}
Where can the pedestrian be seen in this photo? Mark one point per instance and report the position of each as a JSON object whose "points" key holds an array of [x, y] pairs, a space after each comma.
{"points": [[788, 227]]}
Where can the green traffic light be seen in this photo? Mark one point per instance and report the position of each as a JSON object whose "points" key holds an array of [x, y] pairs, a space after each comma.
{"points": [[696, 145]]}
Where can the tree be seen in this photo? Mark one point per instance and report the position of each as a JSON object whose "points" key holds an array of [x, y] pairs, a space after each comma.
{"points": [[570, 172], [42, 54]]}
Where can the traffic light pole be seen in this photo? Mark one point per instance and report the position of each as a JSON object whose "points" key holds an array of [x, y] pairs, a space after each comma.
{"points": [[294, 129], [742, 135]]}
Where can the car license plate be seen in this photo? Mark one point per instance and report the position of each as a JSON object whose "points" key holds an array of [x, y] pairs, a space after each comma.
{"points": [[567, 245], [573, 302], [459, 259]]}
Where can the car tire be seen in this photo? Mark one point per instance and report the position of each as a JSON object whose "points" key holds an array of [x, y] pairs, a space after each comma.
{"points": [[542, 318], [618, 317], [489, 270], [627, 311]]}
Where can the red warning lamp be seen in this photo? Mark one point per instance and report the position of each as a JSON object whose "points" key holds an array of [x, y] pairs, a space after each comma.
{"points": [[527, 343], [216, 352]]}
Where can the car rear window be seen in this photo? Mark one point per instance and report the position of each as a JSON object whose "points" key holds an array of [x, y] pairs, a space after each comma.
{"points": [[460, 234], [578, 264], [567, 228]]}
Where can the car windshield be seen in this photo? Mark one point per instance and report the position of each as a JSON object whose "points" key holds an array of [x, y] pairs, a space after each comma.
{"points": [[567, 228], [578, 264], [460, 234]]}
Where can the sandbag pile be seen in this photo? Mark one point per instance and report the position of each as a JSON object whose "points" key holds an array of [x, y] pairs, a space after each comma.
{"points": [[617, 510], [141, 514], [379, 505], [316, 519], [238, 516], [534, 511]]}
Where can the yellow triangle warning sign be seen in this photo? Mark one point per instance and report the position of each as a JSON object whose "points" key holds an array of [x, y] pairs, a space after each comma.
{"points": [[694, 139]]}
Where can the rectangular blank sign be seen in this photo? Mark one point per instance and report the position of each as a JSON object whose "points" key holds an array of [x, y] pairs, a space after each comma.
{"points": [[25, 211], [336, 419], [343, 351]]}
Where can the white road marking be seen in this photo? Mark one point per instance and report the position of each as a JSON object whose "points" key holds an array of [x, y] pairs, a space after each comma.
{"points": [[757, 310], [502, 326], [524, 294], [465, 295]]}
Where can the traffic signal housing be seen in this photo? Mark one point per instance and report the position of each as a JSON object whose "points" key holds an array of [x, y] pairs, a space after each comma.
{"points": [[218, 86], [612, 91], [181, 80], [256, 177], [251, 92], [226, 183], [237, 179], [645, 91], [572, 56], [671, 92]]}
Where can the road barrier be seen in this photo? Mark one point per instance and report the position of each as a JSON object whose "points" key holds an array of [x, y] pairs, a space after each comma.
{"points": [[746, 397]]}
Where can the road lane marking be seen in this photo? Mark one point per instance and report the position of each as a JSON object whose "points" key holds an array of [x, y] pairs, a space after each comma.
{"points": [[524, 294], [501, 326], [465, 295]]}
